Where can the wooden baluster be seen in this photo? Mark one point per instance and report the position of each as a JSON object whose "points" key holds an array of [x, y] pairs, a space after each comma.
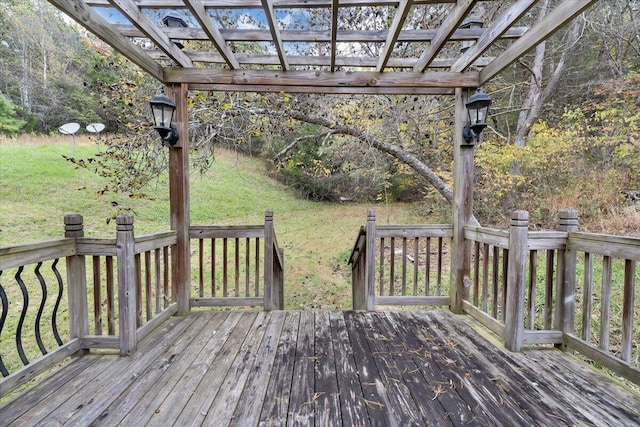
{"points": [[566, 303]]}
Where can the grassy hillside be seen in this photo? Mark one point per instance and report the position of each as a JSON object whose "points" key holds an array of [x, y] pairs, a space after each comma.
{"points": [[38, 187]]}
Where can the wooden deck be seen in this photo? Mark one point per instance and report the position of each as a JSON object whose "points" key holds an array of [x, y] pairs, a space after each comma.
{"points": [[324, 368]]}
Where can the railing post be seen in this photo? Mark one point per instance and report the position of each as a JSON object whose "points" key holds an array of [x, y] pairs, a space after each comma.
{"points": [[269, 294], [567, 259], [77, 280], [516, 270], [370, 259], [125, 250]]}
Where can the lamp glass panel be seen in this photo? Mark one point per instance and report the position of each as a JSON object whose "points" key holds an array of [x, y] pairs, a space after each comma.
{"points": [[162, 115]]}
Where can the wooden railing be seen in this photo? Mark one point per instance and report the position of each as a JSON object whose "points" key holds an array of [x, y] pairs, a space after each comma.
{"points": [[51, 282], [400, 265], [562, 287], [230, 268]]}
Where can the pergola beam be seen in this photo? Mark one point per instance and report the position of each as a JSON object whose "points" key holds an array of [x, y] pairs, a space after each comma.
{"points": [[368, 90], [92, 21], [551, 23], [318, 79], [151, 30], [448, 27], [501, 25], [212, 32], [313, 36]]}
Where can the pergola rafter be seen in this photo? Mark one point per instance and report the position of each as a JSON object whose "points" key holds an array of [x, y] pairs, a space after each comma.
{"points": [[429, 57]]}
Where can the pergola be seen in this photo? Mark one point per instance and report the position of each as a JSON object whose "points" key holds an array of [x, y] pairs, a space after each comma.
{"points": [[418, 52]]}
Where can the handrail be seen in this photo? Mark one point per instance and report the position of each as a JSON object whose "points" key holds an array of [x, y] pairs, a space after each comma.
{"points": [[385, 275], [63, 286], [238, 265], [537, 302]]}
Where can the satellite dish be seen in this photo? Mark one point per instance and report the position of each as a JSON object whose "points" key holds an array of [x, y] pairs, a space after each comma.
{"points": [[69, 128], [95, 127]]}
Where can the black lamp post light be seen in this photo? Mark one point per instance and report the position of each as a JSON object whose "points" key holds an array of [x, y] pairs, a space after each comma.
{"points": [[477, 112], [162, 109]]}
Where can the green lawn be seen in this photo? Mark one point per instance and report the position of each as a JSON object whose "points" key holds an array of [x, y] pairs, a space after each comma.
{"points": [[38, 187]]}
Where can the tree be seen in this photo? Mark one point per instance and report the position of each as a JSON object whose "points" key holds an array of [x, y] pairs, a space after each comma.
{"points": [[10, 124]]}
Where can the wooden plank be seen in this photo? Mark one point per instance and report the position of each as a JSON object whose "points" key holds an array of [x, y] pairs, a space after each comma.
{"points": [[212, 32], [449, 25], [99, 341], [301, 400], [545, 240], [587, 297], [409, 231], [150, 242], [277, 88], [275, 408], [468, 395], [156, 321], [490, 322], [255, 390], [404, 6], [276, 36], [166, 394], [353, 408], [79, 395], [165, 375], [197, 408], [411, 300], [605, 302], [499, 238], [144, 23], [95, 23], [325, 36], [542, 337], [627, 309], [119, 391], [374, 395], [12, 409], [16, 256], [602, 244], [35, 368], [228, 231], [522, 392], [320, 79], [326, 392], [499, 26], [97, 247], [409, 386], [562, 14]]}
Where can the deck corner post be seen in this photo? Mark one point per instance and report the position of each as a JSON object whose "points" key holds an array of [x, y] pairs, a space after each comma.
{"points": [[77, 280], [370, 259], [269, 293], [125, 251], [516, 272], [462, 207], [567, 260]]}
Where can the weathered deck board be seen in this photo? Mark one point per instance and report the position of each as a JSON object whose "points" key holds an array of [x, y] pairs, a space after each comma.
{"points": [[324, 368]]}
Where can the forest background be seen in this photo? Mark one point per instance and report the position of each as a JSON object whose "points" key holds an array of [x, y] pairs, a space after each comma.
{"points": [[564, 126]]}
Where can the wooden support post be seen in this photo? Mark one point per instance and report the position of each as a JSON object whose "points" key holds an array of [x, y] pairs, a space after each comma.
{"points": [[516, 270], [269, 281], [462, 208], [567, 259], [179, 202], [370, 267], [77, 281], [125, 250]]}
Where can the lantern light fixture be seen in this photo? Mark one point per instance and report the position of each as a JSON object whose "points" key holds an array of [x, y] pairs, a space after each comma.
{"points": [[162, 109], [471, 23], [477, 113], [174, 21]]}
